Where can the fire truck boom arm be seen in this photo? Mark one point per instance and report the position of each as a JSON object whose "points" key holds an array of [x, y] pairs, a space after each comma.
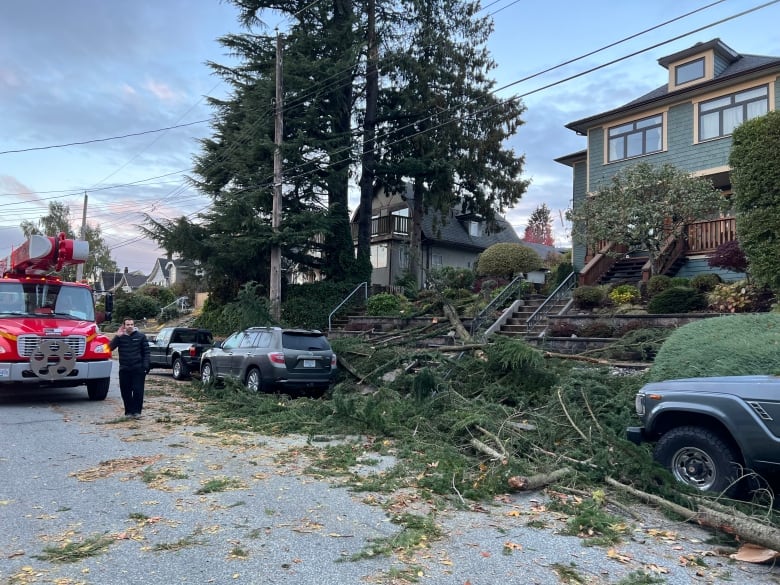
{"points": [[43, 254]]}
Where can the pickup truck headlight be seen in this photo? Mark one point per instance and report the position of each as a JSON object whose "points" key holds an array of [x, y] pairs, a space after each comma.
{"points": [[639, 403]]}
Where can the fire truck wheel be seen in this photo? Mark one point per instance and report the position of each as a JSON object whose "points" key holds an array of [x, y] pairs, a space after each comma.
{"points": [[98, 389]]}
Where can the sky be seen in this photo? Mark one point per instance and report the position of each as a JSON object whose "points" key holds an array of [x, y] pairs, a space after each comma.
{"points": [[85, 71]]}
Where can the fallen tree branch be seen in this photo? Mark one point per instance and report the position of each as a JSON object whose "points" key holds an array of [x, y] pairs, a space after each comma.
{"points": [[452, 315], [495, 438], [534, 482], [603, 362], [487, 450], [464, 347], [571, 421], [736, 524]]}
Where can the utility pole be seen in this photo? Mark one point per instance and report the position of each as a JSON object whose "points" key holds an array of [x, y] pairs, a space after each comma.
{"points": [[275, 286], [80, 267]]}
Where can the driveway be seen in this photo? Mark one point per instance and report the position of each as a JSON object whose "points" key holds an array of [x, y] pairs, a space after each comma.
{"points": [[164, 500]]}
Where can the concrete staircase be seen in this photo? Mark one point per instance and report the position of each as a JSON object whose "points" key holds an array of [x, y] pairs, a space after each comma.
{"points": [[517, 326]]}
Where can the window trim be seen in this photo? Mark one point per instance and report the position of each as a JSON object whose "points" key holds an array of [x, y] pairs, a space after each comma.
{"points": [[641, 130], [679, 66], [768, 98]]}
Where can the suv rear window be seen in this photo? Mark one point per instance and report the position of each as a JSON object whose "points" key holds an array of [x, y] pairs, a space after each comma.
{"points": [[305, 341]]}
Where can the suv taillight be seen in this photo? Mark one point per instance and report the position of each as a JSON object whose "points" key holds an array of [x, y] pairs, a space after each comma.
{"points": [[276, 357], [333, 361], [193, 351]]}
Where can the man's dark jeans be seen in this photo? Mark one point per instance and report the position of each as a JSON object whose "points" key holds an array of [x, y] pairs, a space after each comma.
{"points": [[131, 386]]}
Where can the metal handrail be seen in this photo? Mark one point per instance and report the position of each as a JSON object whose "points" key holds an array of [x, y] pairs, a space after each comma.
{"points": [[500, 299], [562, 291], [363, 285]]}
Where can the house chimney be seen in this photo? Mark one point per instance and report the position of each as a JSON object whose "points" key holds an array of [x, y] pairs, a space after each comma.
{"points": [[126, 271]]}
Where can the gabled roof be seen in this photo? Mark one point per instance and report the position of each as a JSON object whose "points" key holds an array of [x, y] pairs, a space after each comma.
{"points": [[739, 67], [135, 279], [453, 232]]}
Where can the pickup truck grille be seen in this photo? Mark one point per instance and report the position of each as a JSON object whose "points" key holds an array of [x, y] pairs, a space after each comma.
{"points": [[27, 344]]}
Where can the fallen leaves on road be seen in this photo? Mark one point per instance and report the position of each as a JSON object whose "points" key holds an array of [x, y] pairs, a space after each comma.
{"points": [[107, 468]]}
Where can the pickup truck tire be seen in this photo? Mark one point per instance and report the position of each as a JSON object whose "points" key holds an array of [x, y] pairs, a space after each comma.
{"points": [[179, 368], [254, 380], [700, 458], [98, 389]]}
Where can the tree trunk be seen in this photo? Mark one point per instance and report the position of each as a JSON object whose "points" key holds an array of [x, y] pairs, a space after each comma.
{"points": [[534, 482]]}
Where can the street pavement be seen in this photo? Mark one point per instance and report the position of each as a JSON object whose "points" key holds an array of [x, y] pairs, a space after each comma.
{"points": [[73, 471]]}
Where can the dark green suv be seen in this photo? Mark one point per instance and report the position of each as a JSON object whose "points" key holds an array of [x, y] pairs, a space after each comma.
{"points": [[712, 432]]}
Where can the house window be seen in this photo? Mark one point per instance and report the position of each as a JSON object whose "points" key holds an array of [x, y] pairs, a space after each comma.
{"points": [[437, 260], [403, 257], [636, 138], [689, 71], [475, 229], [720, 116], [379, 255]]}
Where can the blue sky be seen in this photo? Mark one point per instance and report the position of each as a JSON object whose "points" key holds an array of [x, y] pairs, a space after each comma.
{"points": [[88, 69]]}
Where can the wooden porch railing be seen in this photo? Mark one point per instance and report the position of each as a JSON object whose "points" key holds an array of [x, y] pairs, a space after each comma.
{"points": [[672, 249], [705, 236], [385, 226], [599, 264]]}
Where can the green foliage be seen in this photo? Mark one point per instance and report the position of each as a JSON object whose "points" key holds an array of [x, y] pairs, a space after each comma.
{"points": [[642, 206], [559, 274], [136, 306], [164, 296], [755, 177], [589, 297], [385, 304], [705, 282], [624, 294], [679, 281], [733, 297], [677, 299], [724, 346], [596, 329], [309, 305], [658, 283], [451, 277], [508, 260], [251, 308]]}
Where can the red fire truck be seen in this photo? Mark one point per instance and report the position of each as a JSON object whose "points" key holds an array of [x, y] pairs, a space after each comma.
{"points": [[48, 332]]}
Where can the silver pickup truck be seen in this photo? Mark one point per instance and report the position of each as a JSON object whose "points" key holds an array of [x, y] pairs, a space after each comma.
{"points": [[712, 432]]}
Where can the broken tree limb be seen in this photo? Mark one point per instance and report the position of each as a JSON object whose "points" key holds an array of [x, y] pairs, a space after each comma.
{"points": [[452, 315], [487, 450], [495, 438], [534, 482], [467, 346], [736, 524], [590, 360], [347, 366], [566, 412]]}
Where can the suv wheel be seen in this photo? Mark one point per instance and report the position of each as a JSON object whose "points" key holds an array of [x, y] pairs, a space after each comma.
{"points": [[254, 381], [701, 459], [206, 374]]}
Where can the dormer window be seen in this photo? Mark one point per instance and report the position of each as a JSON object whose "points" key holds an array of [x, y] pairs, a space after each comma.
{"points": [[690, 71], [475, 229]]}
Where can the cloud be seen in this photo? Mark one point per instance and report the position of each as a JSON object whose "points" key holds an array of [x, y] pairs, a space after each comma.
{"points": [[161, 90]]}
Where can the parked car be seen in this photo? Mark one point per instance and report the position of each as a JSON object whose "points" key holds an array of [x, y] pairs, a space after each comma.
{"points": [[272, 358], [179, 349], [710, 432]]}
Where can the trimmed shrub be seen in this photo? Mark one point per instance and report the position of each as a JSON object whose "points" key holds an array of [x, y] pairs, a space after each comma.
{"points": [[597, 329], [677, 299], [657, 283], [725, 346], [705, 282], [508, 260], [624, 294], [679, 281], [562, 329], [451, 277], [385, 305], [589, 297]]}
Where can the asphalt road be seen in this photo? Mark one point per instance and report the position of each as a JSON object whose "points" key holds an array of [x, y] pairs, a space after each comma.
{"points": [[72, 472]]}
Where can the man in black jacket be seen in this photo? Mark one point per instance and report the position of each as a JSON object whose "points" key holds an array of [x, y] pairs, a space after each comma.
{"points": [[133, 365]]}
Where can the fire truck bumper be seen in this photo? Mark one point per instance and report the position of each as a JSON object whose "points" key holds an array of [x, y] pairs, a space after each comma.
{"points": [[20, 373]]}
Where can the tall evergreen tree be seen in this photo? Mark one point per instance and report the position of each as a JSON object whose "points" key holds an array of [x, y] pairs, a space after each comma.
{"points": [[443, 128]]}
